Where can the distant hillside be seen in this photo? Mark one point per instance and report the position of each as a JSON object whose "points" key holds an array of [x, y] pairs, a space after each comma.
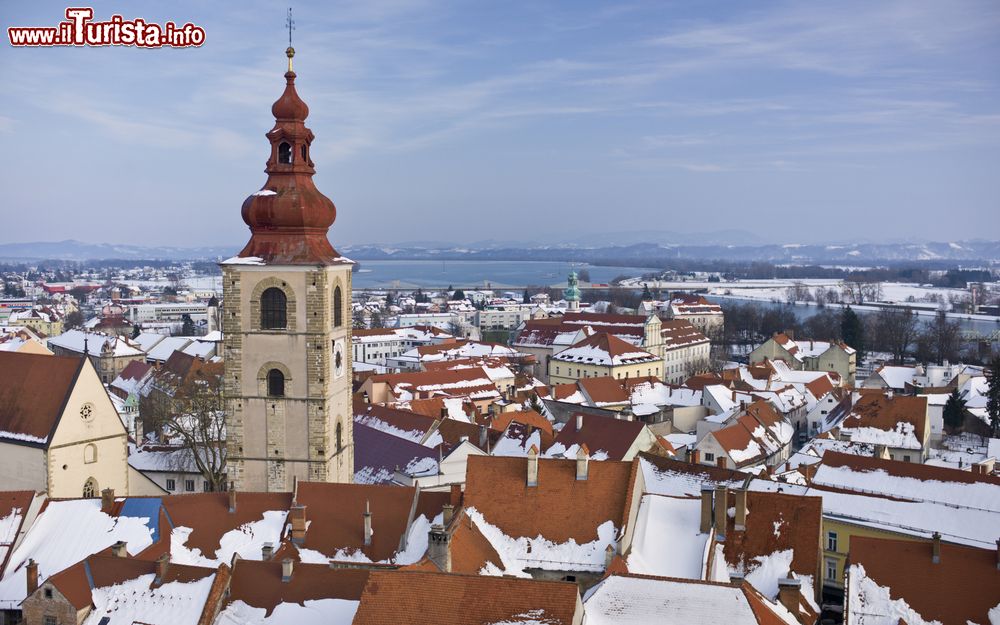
{"points": [[654, 252]]}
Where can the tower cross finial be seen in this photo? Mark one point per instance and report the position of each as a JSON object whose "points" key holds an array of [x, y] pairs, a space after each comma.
{"points": [[290, 23]]}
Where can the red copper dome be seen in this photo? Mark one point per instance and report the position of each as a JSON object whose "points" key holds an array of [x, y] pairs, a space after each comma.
{"points": [[290, 106], [289, 217]]}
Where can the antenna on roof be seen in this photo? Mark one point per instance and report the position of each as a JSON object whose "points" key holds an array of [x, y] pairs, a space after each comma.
{"points": [[86, 348]]}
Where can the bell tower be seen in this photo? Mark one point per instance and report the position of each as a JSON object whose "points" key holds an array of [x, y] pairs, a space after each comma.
{"points": [[286, 324]]}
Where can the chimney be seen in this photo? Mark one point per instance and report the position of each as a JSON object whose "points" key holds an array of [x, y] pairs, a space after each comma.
{"points": [[482, 436], [888, 393], [118, 549], [107, 500], [444, 412], [579, 422], [790, 595], [582, 460], [286, 569], [533, 466], [266, 551], [364, 396], [695, 456], [232, 499], [936, 548], [455, 498], [721, 512], [706, 509], [298, 518], [609, 555], [439, 547], [740, 501], [721, 462], [447, 512], [32, 574], [368, 523], [734, 394], [162, 564]]}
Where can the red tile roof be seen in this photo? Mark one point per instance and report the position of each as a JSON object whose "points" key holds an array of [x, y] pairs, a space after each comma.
{"points": [[259, 584], [777, 522], [208, 516], [603, 345], [881, 412], [34, 389], [898, 468], [334, 513], [404, 597], [679, 333], [612, 436], [963, 587], [559, 508]]}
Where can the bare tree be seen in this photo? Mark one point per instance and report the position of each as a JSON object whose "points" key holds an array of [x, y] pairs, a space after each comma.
{"points": [[895, 330], [188, 414], [940, 340], [857, 290]]}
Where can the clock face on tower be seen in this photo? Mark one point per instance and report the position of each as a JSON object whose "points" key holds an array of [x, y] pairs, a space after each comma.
{"points": [[338, 358]]}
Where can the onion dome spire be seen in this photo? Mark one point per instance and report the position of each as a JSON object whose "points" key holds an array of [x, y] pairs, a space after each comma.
{"points": [[289, 217]]}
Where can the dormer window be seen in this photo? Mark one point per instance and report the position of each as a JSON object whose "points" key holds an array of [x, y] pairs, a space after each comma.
{"points": [[284, 153]]}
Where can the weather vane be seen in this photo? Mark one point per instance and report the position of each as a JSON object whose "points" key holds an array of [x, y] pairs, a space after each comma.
{"points": [[290, 23]]}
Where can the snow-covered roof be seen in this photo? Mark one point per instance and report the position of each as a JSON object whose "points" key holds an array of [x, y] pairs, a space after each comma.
{"points": [[913, 482], [624, 599], [162, 350], [49, 544], [667, 541], [96, 344]]}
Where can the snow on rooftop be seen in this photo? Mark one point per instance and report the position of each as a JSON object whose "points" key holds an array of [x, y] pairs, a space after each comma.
{"points": [[133, 601], [617, 600], [310, 612], [667, 540], [964, 526], [902, 436], [676, 483], [979, 495], [54, 548], [246, 540], [871, 604], [517, 554], [249, 260]]}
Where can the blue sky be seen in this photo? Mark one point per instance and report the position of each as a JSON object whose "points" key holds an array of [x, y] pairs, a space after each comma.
{"points": [[540, 121]]}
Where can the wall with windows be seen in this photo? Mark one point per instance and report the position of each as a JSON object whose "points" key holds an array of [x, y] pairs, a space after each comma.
{"points": [[90, 442], [837, 544]]}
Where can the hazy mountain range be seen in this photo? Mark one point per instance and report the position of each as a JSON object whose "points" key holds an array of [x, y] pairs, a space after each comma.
{"points": [[625, 248]]}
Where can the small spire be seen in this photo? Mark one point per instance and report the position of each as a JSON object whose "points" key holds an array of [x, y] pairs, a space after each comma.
{"points": [[290, 52]]}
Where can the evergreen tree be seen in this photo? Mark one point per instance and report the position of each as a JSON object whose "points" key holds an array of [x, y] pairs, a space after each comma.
{"points": [[993, 397], [527, 298], [389, 300], [187, 325], [136, 331], [853, 332], [954, 411], [458, 295], [646, 295]]}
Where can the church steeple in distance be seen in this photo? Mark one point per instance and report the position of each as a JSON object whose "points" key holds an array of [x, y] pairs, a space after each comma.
{"points": [[289, 217]]}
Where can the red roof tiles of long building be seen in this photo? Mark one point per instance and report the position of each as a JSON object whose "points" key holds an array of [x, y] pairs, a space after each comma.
{"points": [[559, 507], [404, 597]]}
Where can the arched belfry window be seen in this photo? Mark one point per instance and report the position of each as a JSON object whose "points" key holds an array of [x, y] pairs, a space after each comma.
{"points": [[338, 307], [275, 383], [273, 306], [340, 437], [284, 153], [90, 488]]}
